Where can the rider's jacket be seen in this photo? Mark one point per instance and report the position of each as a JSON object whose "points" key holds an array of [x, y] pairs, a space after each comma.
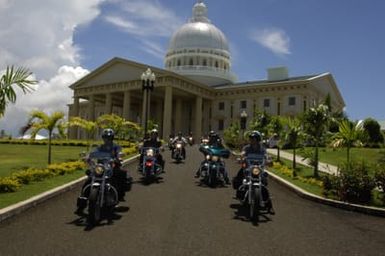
{"points": [[112, 148], [182, 139], [259, 150], [152, 143]]}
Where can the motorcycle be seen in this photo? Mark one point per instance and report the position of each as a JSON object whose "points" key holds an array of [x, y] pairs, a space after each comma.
{"points": [[151, 169], [190, 140], [102, 195], [177, 153], [253, 192], [213, 167]]}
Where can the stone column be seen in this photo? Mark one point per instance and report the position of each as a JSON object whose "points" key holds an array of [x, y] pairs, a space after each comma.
{"points": [[198, 117], [167, 112], [126, 105], [178, 115], [91, 108], [108, 105]]}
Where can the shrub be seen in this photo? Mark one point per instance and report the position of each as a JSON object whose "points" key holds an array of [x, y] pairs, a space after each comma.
{"points": [[8, 184], [379, 177], [355, 184]]}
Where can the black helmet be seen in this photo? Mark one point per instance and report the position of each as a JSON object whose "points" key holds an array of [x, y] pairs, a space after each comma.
{"points": [[255, 135], [212, 133], [108, 134]]}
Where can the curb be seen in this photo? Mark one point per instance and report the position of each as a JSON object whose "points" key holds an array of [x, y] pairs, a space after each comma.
{"points": [[22, 206], [376, 211]]}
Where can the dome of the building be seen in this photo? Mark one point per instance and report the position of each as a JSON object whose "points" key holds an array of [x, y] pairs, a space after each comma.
{"points": [[198, 34], [200, 50]]}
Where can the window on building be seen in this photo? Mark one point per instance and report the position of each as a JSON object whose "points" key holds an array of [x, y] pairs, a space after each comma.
{"points": [[279, 108], [304, 105], [266, 103], [216, 64], [220, 125], [221, 106], [291, 101], [178, 63], [243, 104], [191, 63], [204, 62], [231, 111]]}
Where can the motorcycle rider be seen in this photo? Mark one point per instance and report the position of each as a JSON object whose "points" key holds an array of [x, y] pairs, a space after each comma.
{"points": [[181, 139], [153, 142], [255, 146], [119, 176], [214, 141]]}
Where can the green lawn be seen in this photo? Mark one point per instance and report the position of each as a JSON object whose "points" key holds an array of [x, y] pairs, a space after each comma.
{"points": [[338, 156], [14, 157]]}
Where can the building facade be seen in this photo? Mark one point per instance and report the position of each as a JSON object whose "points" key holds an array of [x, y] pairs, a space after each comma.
{"points": [[196, 91]]}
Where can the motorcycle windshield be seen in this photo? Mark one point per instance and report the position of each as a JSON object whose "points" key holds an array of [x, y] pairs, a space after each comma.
{"points": [[216, 151], [255, 159]]}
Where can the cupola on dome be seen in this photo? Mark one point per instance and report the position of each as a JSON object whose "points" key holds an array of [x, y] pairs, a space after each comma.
{"points": [[200, 50]]}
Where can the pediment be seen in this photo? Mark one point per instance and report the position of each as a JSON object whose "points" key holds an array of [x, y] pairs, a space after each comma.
{"points": [[114, 71]]}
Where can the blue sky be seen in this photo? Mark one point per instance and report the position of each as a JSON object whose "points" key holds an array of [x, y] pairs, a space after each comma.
{"points": [[61, 41]]}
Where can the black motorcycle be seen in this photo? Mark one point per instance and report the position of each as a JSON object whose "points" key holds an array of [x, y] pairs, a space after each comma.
{"points": [[102, 194], [177, 152], [150, 168], [253, 192]]}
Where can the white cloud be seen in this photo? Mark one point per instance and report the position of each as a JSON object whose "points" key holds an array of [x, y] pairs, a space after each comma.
{"points": [[49, 96], [274, 39], [39, 36]]}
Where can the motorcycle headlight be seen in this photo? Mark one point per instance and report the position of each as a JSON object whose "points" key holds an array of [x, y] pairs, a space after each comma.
{"points": [[208, 157], [215, 158], [178, 145], [99, 169], [150, 152], [255, 171]]}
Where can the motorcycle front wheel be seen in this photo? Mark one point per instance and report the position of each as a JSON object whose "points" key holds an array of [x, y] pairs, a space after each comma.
{"points": [[94, 209], [254, 206]]}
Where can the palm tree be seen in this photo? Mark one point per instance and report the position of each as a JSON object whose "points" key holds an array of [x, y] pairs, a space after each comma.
{"points": [[11, 77], [89, 127], [293, 136], [276, 128], [316, 122], [120, 125], [349, 134], [41, 121]]}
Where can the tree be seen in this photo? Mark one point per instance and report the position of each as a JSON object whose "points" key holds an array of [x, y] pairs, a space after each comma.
{"points": [[316, 122], [120, 125], [11, 78], [293, 136], [41, 121], [373, 130], [350, 134], [232, 134], [276, 128], [90, 127]]}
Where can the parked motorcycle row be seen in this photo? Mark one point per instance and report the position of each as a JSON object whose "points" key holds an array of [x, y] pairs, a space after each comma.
{"points": [[102, 194]]}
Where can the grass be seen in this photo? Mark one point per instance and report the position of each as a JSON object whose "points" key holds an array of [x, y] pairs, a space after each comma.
{"points": [[36, 188], [338, 156], [14, 157]]}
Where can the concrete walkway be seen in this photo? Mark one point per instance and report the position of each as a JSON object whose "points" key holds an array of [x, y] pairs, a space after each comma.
{"points": [[322, 167]]}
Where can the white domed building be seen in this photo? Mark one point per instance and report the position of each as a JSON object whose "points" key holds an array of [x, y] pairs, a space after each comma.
{"points": [[196, 90]]}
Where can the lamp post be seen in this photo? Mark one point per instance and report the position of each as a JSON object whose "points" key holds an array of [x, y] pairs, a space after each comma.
{"points": [[148, 81], [243, 122]]}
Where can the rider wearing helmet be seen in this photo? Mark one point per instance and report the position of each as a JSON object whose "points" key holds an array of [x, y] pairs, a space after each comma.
{"points": [[183, 140], [153, 142], [119, 177], [216, 142], [255, 146]]}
